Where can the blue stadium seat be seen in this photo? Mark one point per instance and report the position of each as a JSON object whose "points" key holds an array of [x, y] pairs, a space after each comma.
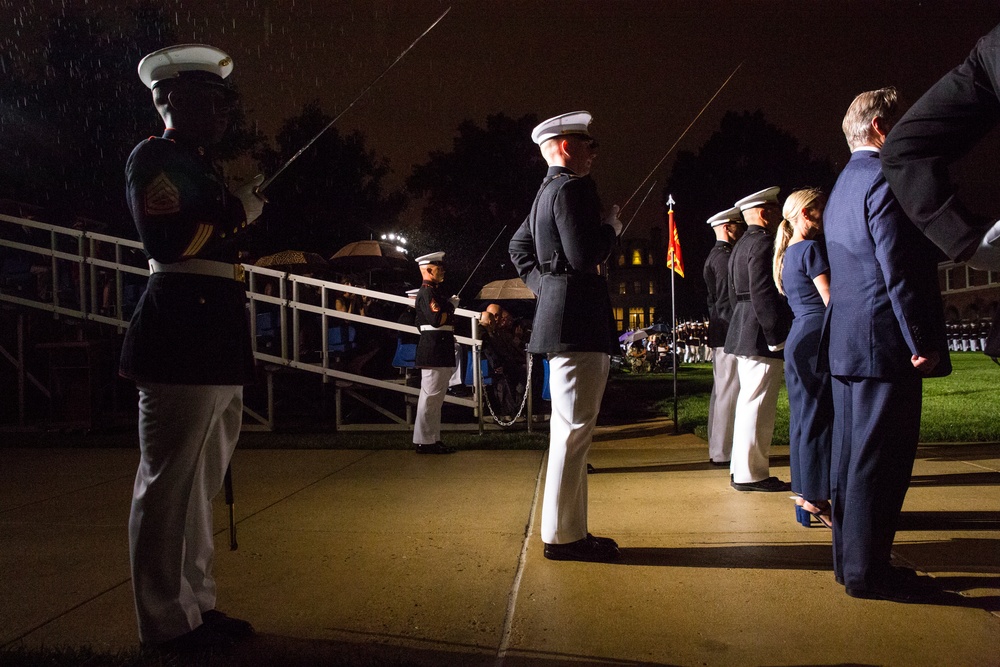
{"points": [[483, 364]]}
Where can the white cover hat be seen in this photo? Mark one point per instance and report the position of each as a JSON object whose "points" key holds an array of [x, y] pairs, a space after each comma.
{"points": [[757, 199], [173, 61], [722, 217], [431, 258], [574, 122]]}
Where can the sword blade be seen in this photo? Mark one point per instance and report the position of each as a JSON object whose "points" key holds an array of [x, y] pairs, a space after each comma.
{"points": [[302, 150], [670, 150]]}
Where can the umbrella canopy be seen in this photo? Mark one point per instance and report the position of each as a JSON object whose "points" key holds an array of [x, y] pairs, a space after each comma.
{"points": [[632, 336], [659, 327], [293, 261], [512, 288], [368, 256]]}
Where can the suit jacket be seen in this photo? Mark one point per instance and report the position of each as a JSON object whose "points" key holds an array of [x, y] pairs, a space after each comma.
{"points": [[556, 252], [942, 126], [761, 316], [435, 349], [885, 304], [720, 308], [186, 329]]}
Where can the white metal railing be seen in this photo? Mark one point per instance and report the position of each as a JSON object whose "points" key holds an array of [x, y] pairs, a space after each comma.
{"points": [[93, 277]]}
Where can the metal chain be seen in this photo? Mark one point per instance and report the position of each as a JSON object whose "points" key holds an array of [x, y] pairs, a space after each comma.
{"points": [[524, 399]]}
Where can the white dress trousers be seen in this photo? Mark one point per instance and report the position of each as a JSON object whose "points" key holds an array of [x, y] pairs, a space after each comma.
{"points": [[187, 434], [576, 382], [433, 385], [722, 405], [753, 428]]}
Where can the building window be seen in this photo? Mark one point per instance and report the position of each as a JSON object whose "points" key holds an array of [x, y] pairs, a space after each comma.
{"points": [[652, 287], [649, 259], [621, 259], [621, 288], [637, 257], [620, 317], [637, 287], [636, 318]]}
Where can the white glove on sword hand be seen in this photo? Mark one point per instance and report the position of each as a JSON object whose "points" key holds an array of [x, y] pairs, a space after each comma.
{"points": [[253, 203], [612, 219], [987, 255]]}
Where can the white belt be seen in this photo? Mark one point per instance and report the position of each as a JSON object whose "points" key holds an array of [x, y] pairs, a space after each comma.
{"points": [[200, 267], [427, 327]]}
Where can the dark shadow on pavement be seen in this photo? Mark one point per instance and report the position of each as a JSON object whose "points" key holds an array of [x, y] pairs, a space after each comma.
{"points": [[957, 479], [961, 521]]}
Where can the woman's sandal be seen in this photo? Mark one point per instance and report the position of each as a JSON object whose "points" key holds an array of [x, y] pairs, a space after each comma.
{"points": [[806, 511]]}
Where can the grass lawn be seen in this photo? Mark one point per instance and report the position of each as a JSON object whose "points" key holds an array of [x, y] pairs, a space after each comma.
{"points": [[963, 407]]}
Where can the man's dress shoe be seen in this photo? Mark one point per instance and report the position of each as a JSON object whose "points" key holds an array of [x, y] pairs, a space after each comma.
{"points": [[236, 628], [590, 549], [435, 448], [769, 485]]}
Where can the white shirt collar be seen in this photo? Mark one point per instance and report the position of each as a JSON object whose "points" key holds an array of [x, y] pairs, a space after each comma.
{"points": [[866, 148]]}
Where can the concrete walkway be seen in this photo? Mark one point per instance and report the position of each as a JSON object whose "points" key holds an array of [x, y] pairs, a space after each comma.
{"points": [[387, 557]]}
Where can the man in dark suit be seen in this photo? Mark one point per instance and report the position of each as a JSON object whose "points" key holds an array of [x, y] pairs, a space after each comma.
{"points": [[556, 252], [435, 317], [885, 330], [728, 227], [756, 336], [187, 347], [944, 125]]}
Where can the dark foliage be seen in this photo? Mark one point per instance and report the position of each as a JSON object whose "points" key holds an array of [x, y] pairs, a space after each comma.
{"points": [[746, 154]]}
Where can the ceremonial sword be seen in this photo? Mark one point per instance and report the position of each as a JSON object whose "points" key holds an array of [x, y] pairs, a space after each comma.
{"points": [[260, 189], [653, 170]]}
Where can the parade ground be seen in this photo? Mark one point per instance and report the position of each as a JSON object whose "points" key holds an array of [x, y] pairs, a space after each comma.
{"points": [[369, 557]]}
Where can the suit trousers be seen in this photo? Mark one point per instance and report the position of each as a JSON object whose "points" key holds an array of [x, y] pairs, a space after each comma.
{"points": [[433, 385], [187, 434], [576, 382], [722, 405], [753, 426], [875, 432]]}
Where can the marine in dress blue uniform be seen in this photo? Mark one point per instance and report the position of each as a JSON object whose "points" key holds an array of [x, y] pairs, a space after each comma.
{"points": [[556, 252], [885, 330], [187, 347], [757, 332], [435, 317], [728, 226]]}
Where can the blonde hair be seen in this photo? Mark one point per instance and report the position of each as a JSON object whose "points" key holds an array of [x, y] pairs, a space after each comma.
{"points": [[798, 200], [866, 107]]}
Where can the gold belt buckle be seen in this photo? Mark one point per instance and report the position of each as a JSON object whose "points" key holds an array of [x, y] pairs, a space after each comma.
{"points": [[239, 273]]}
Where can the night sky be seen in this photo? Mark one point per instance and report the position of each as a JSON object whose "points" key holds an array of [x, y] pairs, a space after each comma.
{"points": [[644, 69]]}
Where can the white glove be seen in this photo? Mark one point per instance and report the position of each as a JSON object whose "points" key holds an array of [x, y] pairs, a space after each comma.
{"points": [[612, 219], [453, 300], [987, 255], [253, 203]]}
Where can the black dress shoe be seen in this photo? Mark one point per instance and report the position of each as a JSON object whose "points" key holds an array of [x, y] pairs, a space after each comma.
{"points": [[236, 628], [201, 639], [719, 463], [590, 549], [435, 448], [898, 584], [769, 485]]}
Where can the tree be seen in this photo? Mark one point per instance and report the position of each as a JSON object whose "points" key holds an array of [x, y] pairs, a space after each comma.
{"points": [[744, 155], [330, 195], [485, 183]]}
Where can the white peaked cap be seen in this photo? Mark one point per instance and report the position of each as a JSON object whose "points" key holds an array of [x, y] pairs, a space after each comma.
{"points": [[431, 258], [173, 61], [766, 196], [722, 217], [574, 122]]}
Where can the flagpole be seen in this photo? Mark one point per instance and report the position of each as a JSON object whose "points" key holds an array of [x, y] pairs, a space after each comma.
{"points": [[673, 301]]}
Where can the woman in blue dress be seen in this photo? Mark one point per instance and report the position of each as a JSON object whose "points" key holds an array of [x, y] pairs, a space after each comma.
{"points": [[802, 274]]}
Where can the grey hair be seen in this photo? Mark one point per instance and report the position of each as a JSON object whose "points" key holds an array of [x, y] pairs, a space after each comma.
{"points": [[866, 107]]}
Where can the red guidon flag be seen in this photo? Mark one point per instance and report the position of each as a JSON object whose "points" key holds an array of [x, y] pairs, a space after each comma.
{"points": [[674, 259]]}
